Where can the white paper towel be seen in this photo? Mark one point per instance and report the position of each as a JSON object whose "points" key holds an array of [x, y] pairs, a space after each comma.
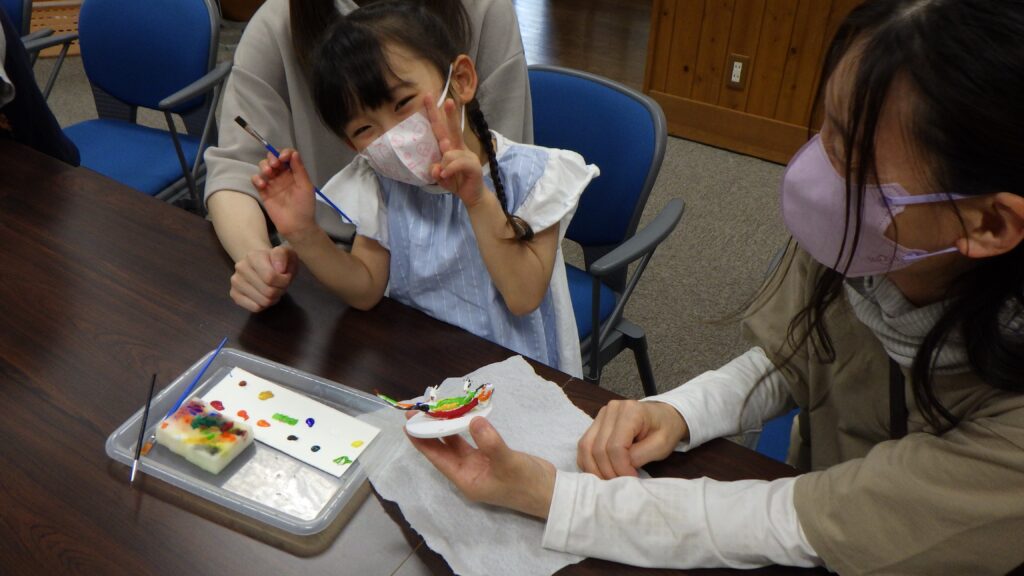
{"points": [[532, 415]]}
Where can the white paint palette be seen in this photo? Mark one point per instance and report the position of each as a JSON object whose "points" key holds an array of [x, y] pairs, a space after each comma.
{"points": [[293, 423]]}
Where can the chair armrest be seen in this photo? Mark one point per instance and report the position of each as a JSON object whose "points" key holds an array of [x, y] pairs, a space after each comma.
{"points": [[201, 86], [36, 34], [40, 43], [642, 242]]}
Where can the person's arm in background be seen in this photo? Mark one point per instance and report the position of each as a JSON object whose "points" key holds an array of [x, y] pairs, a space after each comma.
{"points": [[497, 51], [256, 90], [262, 272]]}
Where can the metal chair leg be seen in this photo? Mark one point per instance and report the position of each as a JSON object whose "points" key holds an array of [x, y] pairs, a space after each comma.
{"points": [[643, 365]]}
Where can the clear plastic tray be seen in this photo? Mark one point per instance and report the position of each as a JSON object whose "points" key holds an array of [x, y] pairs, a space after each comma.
{"points": [[262, 483]]}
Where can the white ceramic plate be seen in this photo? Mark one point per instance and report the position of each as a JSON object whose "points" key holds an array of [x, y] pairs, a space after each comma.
{"points": [[423, 426]]}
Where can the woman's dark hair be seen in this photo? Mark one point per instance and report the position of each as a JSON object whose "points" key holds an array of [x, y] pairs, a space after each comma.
{"points": [[964, 63], [311, 18], [350, 70]]}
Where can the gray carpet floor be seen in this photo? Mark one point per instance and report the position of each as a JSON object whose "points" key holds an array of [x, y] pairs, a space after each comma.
{"points": [[702, 275]]}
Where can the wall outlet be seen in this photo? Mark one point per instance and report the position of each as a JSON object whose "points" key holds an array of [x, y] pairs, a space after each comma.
{"points": [[737, 69]]}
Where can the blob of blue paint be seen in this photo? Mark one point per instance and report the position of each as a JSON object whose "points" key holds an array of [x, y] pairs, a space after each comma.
{"points": [[315, 448], [310, 422]]}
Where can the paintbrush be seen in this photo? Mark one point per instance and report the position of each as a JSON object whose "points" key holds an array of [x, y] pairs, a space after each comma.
{"points": [[195, 380], [252, 132], [142, 430]]}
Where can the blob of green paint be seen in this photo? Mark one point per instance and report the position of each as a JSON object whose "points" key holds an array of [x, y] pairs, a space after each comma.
{"points": [[342, 460], [286, 419]]}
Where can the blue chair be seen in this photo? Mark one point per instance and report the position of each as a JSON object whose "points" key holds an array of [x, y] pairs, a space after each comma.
{"points": [[623, 132], [774, 438], [156, 54], [20, 13]]}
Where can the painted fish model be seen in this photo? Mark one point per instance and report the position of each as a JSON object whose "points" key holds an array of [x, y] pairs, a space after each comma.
{"points": [[446, 408]]}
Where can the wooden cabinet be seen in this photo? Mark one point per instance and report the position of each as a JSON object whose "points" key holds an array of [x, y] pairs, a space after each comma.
{"points": [[780, 45]]}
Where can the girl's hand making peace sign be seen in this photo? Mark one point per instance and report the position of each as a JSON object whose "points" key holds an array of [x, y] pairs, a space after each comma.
{"points": [[459, 170]]}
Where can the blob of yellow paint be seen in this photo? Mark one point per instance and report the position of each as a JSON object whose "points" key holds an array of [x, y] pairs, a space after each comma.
{"points": [[266, 395], [357, 443]]}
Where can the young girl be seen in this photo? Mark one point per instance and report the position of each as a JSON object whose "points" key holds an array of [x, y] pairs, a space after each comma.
{"points": [[460, 223], [270, 86], [895, 322]]}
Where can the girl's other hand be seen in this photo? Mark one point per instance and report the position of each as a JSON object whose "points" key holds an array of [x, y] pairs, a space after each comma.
{"points": [[459, 170], [628, 434], [287, 193], [492, 473]]}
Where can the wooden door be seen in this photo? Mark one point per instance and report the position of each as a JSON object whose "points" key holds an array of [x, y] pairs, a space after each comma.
{"points": [[780, 45]]}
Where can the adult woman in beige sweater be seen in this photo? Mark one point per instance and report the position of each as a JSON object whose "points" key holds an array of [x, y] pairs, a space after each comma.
{"points": [[269, 88], [895, 322]]}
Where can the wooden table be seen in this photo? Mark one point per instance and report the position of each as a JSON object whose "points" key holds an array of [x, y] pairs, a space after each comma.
{"points": [[102, 286]]}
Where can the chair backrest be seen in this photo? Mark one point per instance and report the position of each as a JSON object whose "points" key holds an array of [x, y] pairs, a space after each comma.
{"points": [[141, 51], [613, 126], [20, 13]]}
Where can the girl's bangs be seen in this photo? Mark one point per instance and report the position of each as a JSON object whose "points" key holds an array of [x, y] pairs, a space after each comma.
{"points": [[364, 80]]}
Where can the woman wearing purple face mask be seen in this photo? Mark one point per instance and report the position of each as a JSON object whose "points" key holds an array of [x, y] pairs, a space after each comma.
{"points": [[895, 322]]}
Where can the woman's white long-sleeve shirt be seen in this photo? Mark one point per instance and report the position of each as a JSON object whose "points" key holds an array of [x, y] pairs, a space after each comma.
{"points": [[678, 523]]}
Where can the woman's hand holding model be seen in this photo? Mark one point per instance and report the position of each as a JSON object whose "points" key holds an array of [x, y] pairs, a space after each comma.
{"points": [[492, 473]]}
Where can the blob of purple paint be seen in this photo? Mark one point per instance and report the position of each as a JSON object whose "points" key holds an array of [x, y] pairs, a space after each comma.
{"points": [[310, 422]]}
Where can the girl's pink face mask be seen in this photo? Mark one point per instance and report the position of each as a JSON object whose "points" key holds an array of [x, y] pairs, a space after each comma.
{"points": [[813, 197], [407, 151]]}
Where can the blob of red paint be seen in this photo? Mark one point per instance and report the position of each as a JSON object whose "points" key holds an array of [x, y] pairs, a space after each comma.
{"points": [[242, 384], [218, 405]]}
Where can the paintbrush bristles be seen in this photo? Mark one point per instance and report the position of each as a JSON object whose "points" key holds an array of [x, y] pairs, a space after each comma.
{"points": [[252, 131]]}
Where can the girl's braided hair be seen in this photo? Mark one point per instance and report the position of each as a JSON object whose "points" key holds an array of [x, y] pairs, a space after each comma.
{"points": [[522, 230]]}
